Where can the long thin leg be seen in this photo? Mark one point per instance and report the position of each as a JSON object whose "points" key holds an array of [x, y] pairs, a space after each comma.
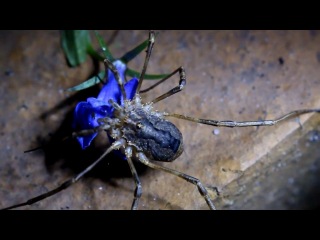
{"points": [[143, 159], [109, 65], [160, 81], [182, 84], [86, 132], [146, 61], [245, 123], [138, 190], [66, 184]]}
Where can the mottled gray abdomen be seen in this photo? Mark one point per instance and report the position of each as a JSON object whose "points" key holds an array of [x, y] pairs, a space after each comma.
{"points": [[159, 139]]}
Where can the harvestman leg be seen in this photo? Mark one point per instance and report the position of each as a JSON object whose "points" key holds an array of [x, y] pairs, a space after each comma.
{"points": [[86, 132], [227, 123], [146, 60], [143, 159], [181, 71], [182, 84], [138, 190], [162, 80], [68, 183], [109, 65], [232, 124]]}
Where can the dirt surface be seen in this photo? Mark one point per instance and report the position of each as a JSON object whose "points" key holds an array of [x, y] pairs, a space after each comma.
{"points": [[231, 75]]}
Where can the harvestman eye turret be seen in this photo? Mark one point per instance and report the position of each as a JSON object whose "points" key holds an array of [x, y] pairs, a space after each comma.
{"points": [[147, 136]]}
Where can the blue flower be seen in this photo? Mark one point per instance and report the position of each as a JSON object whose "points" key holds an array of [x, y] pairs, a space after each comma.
{"points": [[87, 113]]}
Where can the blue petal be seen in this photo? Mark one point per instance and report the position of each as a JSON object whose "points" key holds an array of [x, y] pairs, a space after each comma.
{"points": [[86, 141], [130, 88], [111, 89], [121, 67], [86, 115]]}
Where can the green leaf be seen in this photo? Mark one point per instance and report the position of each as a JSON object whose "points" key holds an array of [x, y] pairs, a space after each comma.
{"points": [[134, 52], [89, 83], [74, 44], [97, 79], [104, 47], [133, 73], [94, 53]]}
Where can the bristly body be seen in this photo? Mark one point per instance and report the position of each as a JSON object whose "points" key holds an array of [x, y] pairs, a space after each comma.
{"points": [[147, 131]]}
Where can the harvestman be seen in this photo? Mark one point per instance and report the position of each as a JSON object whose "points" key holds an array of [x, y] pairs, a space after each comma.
{"points": [[146, 136]]}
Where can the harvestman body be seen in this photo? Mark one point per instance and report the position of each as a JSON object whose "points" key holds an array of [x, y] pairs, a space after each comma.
{"points": [[146, 136]]}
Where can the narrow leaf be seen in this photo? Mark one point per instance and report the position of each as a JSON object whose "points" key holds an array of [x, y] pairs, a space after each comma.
{"points": [[104, 47], [74, 44], [94, 53], [89, 83], [134, 52]]}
